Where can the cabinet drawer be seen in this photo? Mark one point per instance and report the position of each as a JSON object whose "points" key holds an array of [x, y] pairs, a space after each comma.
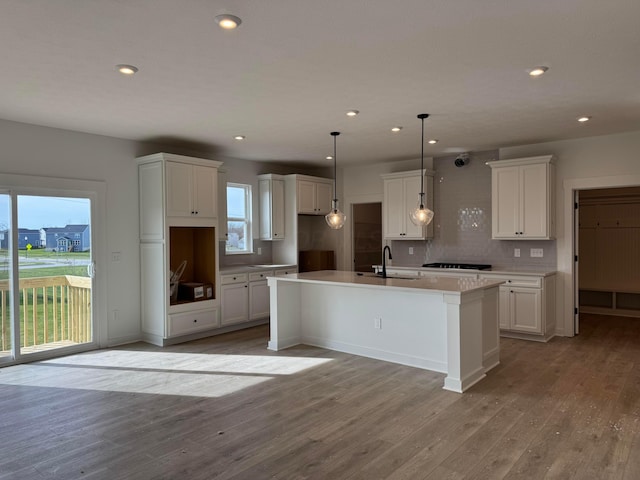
{"points": [[516, 281], [253, 277], [230, 278], [287, 271], [183, 323]]}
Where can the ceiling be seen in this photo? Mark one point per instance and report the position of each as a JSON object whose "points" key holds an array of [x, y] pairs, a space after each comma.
{"points": [[287, 76]]}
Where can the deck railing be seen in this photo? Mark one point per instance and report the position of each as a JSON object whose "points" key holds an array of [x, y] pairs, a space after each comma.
{"points": [[52, 310]]}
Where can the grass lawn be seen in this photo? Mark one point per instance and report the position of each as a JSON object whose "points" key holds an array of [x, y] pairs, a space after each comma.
{"points": [[24, 273]]}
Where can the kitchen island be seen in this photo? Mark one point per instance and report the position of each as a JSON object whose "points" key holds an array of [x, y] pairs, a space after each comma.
{"points": [[443, 324]]}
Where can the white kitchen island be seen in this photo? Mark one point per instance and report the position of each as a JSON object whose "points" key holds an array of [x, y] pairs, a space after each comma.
{"points": [[444, 324]]}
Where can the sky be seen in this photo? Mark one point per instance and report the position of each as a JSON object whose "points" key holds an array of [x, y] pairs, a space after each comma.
{"points": [[37, 212]]}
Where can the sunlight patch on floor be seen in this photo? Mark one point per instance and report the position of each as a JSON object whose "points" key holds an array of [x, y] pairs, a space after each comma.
{"points": [[158, 373]]}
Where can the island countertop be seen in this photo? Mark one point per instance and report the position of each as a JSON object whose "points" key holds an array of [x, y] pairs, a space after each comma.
{"points": [[431, 283]]}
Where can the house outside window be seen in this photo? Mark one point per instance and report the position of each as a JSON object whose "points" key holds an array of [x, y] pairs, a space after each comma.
{"points": [[239, 236]]}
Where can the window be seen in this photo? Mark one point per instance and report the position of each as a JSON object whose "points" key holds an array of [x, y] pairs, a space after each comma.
{"points": [[239, 237]]}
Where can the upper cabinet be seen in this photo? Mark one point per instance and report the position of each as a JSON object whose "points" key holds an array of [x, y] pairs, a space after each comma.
{"points": [[191, 190], [522, 198], [271, 206], [314, 195], [401, 195]]}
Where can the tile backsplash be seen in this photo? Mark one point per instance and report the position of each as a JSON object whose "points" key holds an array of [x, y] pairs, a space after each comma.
{"points": [[462, 223]]}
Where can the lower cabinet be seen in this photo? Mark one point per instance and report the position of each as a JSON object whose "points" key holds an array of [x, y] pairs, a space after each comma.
{"points": [[526, 305], [244, 297], [234, 297]]}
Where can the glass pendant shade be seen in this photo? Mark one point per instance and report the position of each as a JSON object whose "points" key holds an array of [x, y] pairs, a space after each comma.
{"points": [[421, 215], [335, 218]]}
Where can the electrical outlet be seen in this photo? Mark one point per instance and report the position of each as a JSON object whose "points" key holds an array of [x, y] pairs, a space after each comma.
{"points": [[377, 323], [410, 250], [537, 252], [116, 257], [259, 250], [516, 252]]}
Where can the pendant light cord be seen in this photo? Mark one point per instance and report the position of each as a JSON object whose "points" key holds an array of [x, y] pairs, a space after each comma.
{"points": [[422, 116], [335, 172]]}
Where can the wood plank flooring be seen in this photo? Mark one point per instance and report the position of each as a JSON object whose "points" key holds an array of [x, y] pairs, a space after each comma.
{"points": [[227, 408]]}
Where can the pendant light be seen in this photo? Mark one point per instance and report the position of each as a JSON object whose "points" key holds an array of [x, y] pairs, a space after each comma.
{"points": [[421, 215], [335, 218]]}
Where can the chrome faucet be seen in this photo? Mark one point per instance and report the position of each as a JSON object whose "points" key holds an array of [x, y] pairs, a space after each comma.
{"points": [[384, 260]]}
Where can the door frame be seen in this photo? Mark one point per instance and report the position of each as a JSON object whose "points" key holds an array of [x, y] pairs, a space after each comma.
{"points": [[567, 249], [64, 187], [348, 226]]}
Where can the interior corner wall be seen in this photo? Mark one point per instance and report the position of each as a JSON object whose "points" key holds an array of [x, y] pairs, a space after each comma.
{"points": [[592, 162]]}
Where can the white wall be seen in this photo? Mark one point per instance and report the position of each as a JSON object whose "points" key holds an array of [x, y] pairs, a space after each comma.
{"points": [[47, 152], [594, 162]]}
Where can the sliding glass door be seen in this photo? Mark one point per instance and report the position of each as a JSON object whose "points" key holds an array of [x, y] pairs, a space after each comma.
{"points": [[46, 284]]}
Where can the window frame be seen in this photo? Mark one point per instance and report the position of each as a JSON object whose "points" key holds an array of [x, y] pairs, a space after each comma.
{"points": [[247, 219]]}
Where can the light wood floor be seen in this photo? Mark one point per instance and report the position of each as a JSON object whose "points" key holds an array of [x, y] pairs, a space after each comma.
{"points": [[226, 408]]}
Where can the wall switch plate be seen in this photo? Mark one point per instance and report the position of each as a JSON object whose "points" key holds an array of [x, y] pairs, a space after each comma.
{"points": [[410, 250], [259, 250], [537, 252], [377, 323], [516, 252]]}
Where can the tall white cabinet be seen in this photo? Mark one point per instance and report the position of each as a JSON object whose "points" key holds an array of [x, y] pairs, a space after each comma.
{"points": [[178, 223], [522, 198], [271, 189], [401, 194]]}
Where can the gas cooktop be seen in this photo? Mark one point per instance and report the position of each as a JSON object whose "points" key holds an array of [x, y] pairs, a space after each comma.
{"points": [[462, 266]]}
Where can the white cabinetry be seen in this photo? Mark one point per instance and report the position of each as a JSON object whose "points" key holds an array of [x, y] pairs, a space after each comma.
{"points": [[314, 195], [234, 293], [526, 305], [245, 296], [170, 188], [401, 194], [191, 190], [271, 206], [522, 198]]}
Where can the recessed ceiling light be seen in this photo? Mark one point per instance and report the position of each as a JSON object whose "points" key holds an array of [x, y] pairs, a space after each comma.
{"points": [[537, 71], [127, 69], [329, 157], [584, 118], [433, 140], [239, 137], [228, 22], [352, 113], [396, 129]]}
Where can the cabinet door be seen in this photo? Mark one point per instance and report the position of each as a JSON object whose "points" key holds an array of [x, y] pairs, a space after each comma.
{"points": [[306, 197], [179, 190], [258, 300], [505, 204], [277, 209], [235, 303], [266, 212], [393, 207], [205, 181], [534, 197], [324, 196], [411, 200], [526, 311]]}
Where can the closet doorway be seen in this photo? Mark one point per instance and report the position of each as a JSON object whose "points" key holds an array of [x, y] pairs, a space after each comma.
{"points": [[608, 245]]}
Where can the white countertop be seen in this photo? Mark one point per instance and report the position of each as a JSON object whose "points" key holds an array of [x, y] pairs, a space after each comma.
{"points": [[499, 271], [431, 283], [254, 268]]}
